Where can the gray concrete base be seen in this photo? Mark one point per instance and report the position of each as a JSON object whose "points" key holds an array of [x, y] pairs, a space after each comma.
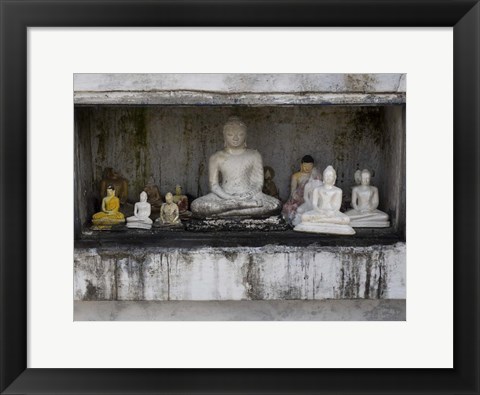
{"points": [[271, 272], [272, 310]]}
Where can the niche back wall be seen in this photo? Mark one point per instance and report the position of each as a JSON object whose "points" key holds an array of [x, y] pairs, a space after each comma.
{"points": [[172, 144]]}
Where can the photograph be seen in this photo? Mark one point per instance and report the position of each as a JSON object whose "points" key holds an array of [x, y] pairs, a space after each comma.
{"points": [[240, 197]]}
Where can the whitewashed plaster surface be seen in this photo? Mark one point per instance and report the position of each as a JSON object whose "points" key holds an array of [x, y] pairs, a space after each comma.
{"points": [[248, 89], [243, 273]]}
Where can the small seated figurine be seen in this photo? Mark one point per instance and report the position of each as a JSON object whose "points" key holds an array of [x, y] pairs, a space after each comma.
{"points": [[154, 196], [326, 216], [181, 201], [235, 179], [111, 177], [142, 211], [109, 215], [314, 181], [169, 213], [358, 177], [269, 187], [297, 186], [365, 202], [358, 180]]}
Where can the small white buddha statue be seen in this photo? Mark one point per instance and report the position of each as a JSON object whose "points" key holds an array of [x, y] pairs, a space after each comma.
{"points": [[141, 217], [325, 217], [365, 202], [235, 179]]}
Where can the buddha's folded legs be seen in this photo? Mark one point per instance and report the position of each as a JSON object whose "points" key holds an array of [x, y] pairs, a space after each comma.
{"points": [[316, 217], [375, 215], [139, 220], [107, 221], [212, 205]]}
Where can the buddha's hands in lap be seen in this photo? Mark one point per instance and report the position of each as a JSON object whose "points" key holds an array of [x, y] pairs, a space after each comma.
{"points": [[245, 196], [244, 199], [325, 213]]}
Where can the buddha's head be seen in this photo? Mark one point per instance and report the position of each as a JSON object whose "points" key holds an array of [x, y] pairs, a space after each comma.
{"points": [[329, 176], [143, 196], [235, 133], [307, 164], [178, 190], [169, 197], [366, 176], [358, 177], [110, 190], [315, 174]]}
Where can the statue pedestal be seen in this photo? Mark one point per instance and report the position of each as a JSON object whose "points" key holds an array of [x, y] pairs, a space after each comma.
{"points": [[159, 225], [241, 224], [334, 229], [369, 224], [192, 267], [138, 225]]}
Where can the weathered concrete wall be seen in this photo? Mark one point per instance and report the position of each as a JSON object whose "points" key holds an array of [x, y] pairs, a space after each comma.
{"points": [[258, 310], [394, 162], [266, 273], [173, 145], [258, 83], [236, 89]]}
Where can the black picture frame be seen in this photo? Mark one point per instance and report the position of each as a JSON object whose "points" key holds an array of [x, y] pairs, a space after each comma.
{"points": [[17, 15]]}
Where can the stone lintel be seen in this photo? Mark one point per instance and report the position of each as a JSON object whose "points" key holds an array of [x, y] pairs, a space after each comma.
{"points": [[193, 98], [242, 82]]}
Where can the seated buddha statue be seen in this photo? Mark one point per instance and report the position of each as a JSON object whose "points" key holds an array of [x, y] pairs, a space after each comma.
{"points": [[111, 177], [153, 195], [325, 217], [141, 217], [297, 185], [269, 187], [314, 181], [181, 201], [109, 214], [235, 179], [169, 213], [365, 202]]}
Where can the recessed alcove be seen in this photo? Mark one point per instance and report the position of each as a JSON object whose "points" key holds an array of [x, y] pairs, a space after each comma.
{"points": [[167, 126], [172, 144]]}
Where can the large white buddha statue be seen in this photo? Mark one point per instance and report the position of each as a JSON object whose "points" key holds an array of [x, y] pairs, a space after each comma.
{"points": [[365, 202], [235, 179], [326, 216]]}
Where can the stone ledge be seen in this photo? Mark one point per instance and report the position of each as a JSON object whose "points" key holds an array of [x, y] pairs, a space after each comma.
{"points": [[259, 310], [190, 98], [241, 82], [240, 273]]}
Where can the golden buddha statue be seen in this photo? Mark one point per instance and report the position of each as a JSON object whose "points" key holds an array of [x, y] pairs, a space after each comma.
{"points": [[109, 215]]}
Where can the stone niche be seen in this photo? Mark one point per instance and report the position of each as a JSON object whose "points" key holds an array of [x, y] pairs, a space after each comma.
{"points": [[167, 126]]}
